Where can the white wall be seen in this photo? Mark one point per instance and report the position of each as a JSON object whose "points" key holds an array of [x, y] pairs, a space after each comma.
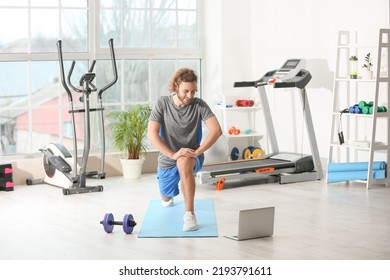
{"points": [[246, 38]]}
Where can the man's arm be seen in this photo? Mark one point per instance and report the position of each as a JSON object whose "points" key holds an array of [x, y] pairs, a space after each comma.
{"points": [[153, 135], [215, 131]]}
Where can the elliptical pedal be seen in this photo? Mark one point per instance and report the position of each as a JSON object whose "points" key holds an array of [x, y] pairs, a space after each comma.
{"points": [[59, 163]]}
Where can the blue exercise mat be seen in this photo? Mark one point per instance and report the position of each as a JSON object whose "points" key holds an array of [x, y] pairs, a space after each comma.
{"points": [[355, 166], [354, 175], [162, 221]]}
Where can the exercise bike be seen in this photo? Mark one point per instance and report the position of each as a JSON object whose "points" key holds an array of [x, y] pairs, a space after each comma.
{"points": [[57, 160]]}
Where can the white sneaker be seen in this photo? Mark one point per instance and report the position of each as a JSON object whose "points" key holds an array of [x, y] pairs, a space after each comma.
{"points": [[168, 203], [190, 222]]}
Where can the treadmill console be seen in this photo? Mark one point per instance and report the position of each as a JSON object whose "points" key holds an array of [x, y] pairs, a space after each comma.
{"points": [[289, 69], [289, 75]]}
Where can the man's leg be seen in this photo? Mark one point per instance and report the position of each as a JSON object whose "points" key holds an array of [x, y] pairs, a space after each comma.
{"points": [[168, 180], [186, 167]]}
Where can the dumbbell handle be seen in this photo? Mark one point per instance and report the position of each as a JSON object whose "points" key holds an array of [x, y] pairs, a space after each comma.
{"points": [[130, 223]]}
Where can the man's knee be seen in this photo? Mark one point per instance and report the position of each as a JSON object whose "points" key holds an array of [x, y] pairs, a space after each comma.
{"points": [[185, 164]]}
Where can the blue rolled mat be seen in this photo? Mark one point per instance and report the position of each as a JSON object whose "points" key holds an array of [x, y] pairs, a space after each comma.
{"points": [[354, 175], [355, 166]]}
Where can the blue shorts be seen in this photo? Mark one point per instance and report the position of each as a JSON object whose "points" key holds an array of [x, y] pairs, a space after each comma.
{"points": [[168, 178]]}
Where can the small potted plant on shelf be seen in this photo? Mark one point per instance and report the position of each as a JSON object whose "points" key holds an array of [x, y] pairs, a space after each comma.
{"points": [[128, 130], [367, 66]]}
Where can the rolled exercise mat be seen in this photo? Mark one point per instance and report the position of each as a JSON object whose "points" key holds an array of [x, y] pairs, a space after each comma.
{"points": [[355, 166], [354, 175]]}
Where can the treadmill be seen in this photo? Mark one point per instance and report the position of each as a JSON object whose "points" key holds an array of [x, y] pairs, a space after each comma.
{"points": [[284, 167]]}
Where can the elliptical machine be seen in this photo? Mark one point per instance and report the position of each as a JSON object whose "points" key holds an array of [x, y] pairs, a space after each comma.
{"points": [[57, 160]]}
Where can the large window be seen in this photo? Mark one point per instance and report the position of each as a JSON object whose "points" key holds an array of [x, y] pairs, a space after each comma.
{"points": [[152, 38]]}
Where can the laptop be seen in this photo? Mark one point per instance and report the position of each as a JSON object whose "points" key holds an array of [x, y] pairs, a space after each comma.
{"points": [[255, 223]]}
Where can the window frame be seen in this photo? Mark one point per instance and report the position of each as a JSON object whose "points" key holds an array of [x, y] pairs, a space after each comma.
{"points": [[95, 52]]}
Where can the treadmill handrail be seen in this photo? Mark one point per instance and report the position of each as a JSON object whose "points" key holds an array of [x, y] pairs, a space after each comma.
{"points": [[299, 81]]}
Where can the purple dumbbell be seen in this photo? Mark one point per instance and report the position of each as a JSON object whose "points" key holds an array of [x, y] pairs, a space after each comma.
{"points": [[128, 223]]}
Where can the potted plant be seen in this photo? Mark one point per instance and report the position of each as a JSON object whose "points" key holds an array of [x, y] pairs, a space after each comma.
{"points": [[128, 130], [368, 73]]}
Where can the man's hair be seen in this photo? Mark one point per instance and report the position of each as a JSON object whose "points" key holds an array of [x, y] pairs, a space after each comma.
{"points": [[182, 75]]}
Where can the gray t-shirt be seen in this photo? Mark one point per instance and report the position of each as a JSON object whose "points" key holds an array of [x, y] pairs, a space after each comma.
{"points": [[181, 127]]}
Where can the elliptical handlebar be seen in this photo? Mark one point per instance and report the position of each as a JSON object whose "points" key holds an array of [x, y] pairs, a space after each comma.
{"points": [[61, 60], [114, 69], [92, 66], [69, 76], [87, 77]]}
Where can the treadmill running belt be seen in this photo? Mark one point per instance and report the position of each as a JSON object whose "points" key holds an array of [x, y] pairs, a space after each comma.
{"points": [[246, 165]]}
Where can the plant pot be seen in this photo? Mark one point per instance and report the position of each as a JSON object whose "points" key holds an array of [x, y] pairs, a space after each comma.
{"points": [[132, 168], [367, 75]]}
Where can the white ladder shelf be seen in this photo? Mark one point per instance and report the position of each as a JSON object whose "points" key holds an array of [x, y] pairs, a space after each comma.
{"points": [[349, 151]]}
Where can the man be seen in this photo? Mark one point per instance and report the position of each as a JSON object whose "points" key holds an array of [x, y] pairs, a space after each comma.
{"points": [[175, 129]]}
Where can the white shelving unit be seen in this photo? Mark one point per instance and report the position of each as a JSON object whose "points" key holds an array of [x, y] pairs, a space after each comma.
{"points": [[366, 136], [246, 119]]}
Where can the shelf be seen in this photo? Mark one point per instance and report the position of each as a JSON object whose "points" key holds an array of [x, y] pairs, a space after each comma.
{"points": [[236, 108], [242, 135], [355, 46], [368, 116], [359, 80], [363, 133], [242, 118], [377, 147]]}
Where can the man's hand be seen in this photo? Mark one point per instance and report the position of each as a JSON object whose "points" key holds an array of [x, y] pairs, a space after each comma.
{"points": [[184, 152]]}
